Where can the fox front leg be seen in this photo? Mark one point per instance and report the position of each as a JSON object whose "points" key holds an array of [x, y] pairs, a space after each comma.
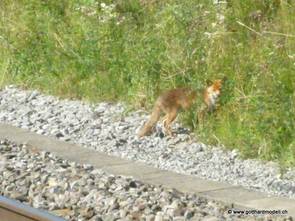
{"points": [[169, 118]]}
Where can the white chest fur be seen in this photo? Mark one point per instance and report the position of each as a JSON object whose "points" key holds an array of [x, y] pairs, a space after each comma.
{"points": [[213, 95]]}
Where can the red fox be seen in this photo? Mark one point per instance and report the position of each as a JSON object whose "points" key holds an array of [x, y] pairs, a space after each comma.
{"points": [[171, 101], [211, 94]]}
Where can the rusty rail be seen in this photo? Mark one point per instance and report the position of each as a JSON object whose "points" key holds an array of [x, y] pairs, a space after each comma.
{"points": [[12, 210]]}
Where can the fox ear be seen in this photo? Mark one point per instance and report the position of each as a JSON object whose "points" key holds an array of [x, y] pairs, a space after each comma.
{"points": [[209, 82], [224, 79]]}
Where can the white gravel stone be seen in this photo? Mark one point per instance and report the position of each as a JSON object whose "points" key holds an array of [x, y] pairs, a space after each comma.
{"points": [[106, 127], [80, 192]]}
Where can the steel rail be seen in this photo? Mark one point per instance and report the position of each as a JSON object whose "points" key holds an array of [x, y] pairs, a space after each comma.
{"points": [[12, 210]]}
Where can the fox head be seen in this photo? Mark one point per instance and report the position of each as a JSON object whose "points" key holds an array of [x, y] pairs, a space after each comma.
{"points": [[216, 86], [212, 92]]}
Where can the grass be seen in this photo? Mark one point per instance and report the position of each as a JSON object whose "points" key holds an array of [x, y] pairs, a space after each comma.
{"points": [[131, 50]]}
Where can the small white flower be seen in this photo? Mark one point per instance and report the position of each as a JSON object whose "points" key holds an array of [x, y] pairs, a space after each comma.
{"points": [[92, 13], [220, 17], [208, 34], [216, 2], [103, 5]]}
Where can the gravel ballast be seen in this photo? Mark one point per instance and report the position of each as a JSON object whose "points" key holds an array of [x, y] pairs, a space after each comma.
{"points": [[81, 192], [108, 128]]}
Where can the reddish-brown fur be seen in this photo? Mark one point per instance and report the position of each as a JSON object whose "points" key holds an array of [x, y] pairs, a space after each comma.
{"points": [[180, 98], [211, 94], [169, 103]]}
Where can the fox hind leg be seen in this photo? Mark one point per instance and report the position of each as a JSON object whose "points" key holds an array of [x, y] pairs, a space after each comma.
{"points": [[168, 119]]}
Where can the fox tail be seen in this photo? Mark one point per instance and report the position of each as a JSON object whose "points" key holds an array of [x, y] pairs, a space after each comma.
{"points": [[147, 127]]}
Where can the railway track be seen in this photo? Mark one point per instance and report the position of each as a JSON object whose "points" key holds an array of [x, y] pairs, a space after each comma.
{"points": [[11, 210], [97, 185]]}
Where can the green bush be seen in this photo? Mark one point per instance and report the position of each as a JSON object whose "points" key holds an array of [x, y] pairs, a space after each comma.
{"points": [[131, 50]]}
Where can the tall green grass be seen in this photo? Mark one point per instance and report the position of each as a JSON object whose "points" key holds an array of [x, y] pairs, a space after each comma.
{"points": [[131, 51]]}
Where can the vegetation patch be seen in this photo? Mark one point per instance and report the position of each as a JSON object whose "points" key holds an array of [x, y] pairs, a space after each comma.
{"points": [[131, 50]]}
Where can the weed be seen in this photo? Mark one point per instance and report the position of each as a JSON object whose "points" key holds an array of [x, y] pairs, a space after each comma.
{"points": [[131, 50]]}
